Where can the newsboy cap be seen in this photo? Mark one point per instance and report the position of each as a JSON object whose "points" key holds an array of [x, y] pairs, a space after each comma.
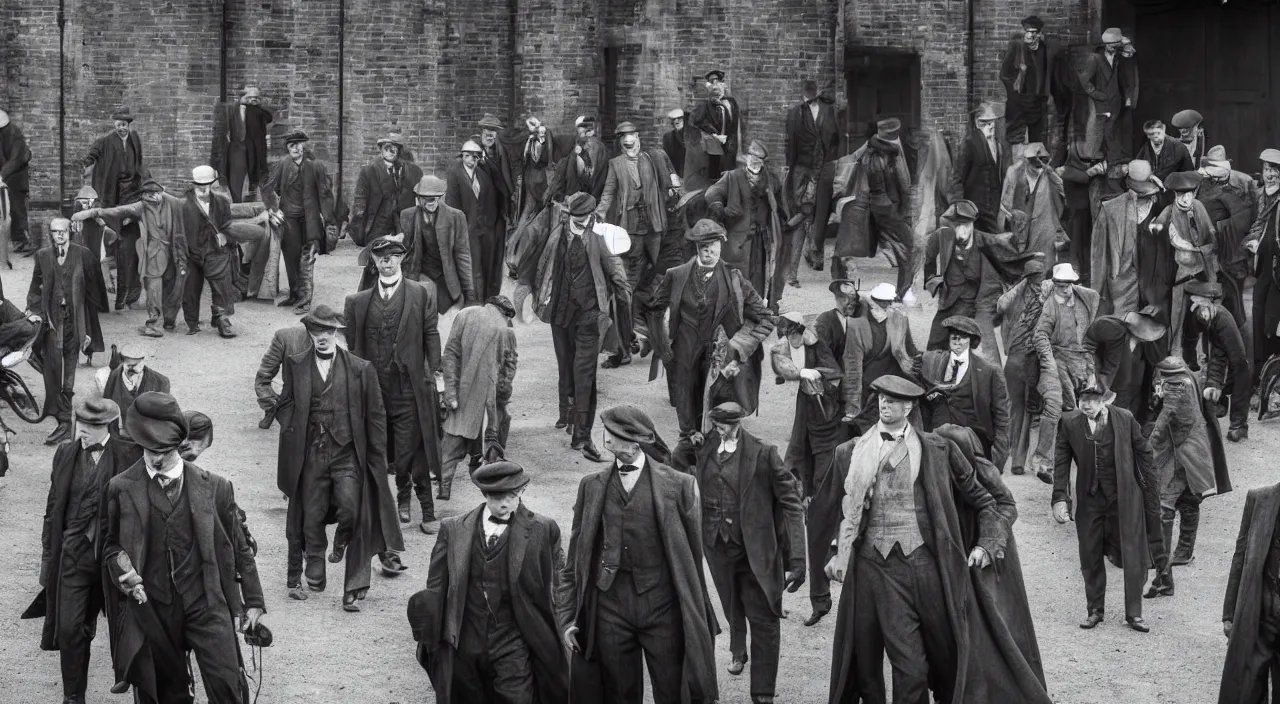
{"points": [[1138, 178], [134, 349], [964, 324], [1112, 36], [471, 146], [628, 423], [387, 245], [897, 387], [122, 113], [1270, 156], [1186, 119], [675, 113], [714, 74], [430, 185], [581, 203], [1204, 289], [1033, 22], [391, 138], [199, 425], [961, 211], [97, 411], [705, 230], [756, 149], [1182, 181], [295, 137], [1173, 364], [489, 122], [989, 112], [625, 128], [1035, 150], [322, 317], [499, 477], [156, 422], [727, 412]]}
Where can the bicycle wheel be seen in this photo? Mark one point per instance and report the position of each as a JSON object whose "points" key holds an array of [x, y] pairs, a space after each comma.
{"points": [[20, 398]]}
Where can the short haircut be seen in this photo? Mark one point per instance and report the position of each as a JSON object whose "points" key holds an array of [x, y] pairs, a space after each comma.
{"points": [[1152, 125]]}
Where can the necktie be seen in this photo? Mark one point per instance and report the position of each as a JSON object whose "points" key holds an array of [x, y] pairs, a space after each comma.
{"points": [[499, 521], [62, 252], [95, 448], [395, 175], [887, 437], [475, 185], [386, 288], [955, 369], [627, 468], [493, 539]]}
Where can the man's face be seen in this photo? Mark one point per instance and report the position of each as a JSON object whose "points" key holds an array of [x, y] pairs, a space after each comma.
{"points": [[60, 235], [1270, 174], [488, 137], [987, 128], [532, 124], [132, 366], [1062, 288], [193, 447], [624, 450], [1091, 404], [715, 86], [583, 133], [389, 264], [796, 337], [964, 231], [1113, 47], [893, 410], [960, 342], [754, 163], [1030, 35], [728, 431], [203, 190], [428, 203], [90, 433], [880, 309], [580, 222], [503, 504], [846, 304], [250, 100], [295, 150], [86, 203], [324, 340], [1185, 199], [1187, 135], [1203, 308], [122, 128], [1156, 135], [470, 159], [157, 459], [631, 144], [390, 153], [1035, 164], [677, 124], [709, 253]]}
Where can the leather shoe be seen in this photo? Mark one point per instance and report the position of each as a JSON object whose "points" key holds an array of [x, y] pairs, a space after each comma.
{"points": [[1137, 624], [297, 592], [193, 329], [337, 553], [391, 564], [614, 361], [60, 433], [1238, 434], [403, 510], [119, 687], [290, 301], [429, 527], [1095, 617], [737, 665], [1159, 587], [590, 452], [150, 330], [225, 330], [762, 699], [816, 616], [268, 417], [1018, 471], [1044, 475], [349, 602]]}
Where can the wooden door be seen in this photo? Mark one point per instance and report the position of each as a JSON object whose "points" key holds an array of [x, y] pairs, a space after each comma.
{"points": [[881, 86]]}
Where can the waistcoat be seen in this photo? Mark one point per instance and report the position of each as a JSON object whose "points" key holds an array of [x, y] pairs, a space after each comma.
{"points": [[329, 401], [174, 563], [488, 592], [898, 514], [631, 540]]}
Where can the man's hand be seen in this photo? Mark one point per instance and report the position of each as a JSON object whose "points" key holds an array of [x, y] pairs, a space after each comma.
{"points": [[933, 396], [722, 138], [571, 638], [1060, 512], [835, 568], [979, 558], [1226, 628], [848, 418], [251, 617], [730, 370], [696, 438], [34, 318], [84, 214], [86, 343], [1155, 226], [1252, 246], [1212, 394], [182, 272], [794, 579], [222, 239], [811, 374]]}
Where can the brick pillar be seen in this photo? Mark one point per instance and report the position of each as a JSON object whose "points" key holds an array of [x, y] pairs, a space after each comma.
{"points": [[560, 73]]}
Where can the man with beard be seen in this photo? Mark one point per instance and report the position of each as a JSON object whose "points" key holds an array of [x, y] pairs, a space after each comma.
{"points": [[14, 157], [880, 211], [1123, 352], [479, 364], [1229, 375], [1166, 156], [1187, 228], [876, 344], [964, 389], [1263, 242], [749, 202], [333, 435], [1116, 501], [674, 140], [752, 530], [384, 189], [1190, 126], [813, 139], [1030, 74], [572, 277], [116, 169], [240, 144], [210, 254], [1036, 190], [1130, 266], [979, 170], [1034, 391], [635, 193], [909, 589], [473, 190], [713, 308], [124, 384], [65, 297], [438, 244], [164, 250], [1229, 198], [1110, 81], [719, 119], [632, 590], [1084, 177], [959, 276], [394, 327], [1069, 310], [298, 190]]}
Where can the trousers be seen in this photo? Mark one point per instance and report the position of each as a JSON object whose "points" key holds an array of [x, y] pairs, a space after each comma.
{"points": [[631, 625], [744, 602], [502, 674], [164, 296], [405, 453], [128, 276], [330, 478], [208, 632], [641, 262], [80, 599], [61, 352], [577, 345], [1098, 534], [293, 239], [822, 523], [216, 268]]}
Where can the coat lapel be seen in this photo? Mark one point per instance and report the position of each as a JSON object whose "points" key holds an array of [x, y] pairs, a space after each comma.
{"points": [[200, 495], [592, 507], [301, 371], [749, 451], [460, 550], [521, 524], [412, 302], [137, 489]]}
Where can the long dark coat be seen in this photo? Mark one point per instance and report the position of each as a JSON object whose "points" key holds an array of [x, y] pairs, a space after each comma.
{"points": [[317, 197], [811, 143], [979, 177], [990, 397], [673, 143], [379, 203], [230, 573], [990, 665], [816, 414], [706, 117], [417, 349], [772, 519], [535, 560], [1173, 158], [578, 181], [377, 526], [105, 159], [254, 128], [753, 256], [88, 297], [1243, 603], [616, 192], [14, 157], [1129, 373], [679, 514]]}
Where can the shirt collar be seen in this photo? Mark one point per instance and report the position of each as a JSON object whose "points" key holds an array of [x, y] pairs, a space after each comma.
{"points": [[392, 283], [962, 359], [1101, 420], [900, 435], [171, 472]]}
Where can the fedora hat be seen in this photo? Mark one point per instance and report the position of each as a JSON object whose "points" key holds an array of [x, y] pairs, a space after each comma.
{"points": [[203, 175], [988, 112], [1112, 36], [430, 185], [1270, 156], [1065, 273], [1144, 324], [322, 317], [98, 411]]}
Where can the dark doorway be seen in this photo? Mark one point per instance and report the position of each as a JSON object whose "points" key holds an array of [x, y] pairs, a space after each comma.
{"points": [[1220, 59], [608, 118], [883, 84]]}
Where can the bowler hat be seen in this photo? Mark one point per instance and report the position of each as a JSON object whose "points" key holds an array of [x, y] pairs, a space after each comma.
{"points": [[122, 113], [499, 477], [430, 185], [884, 292], [714, 74], [625, 128], [391, 138], [387, 245], [888, 128], [581, 203], [961, 211], [1204, 289], [1270, 156], [847, 287], [627, 423], [705, 230], [86, 192], [1065, 273], [964, 324], [295, 137], [988, 111], [97, 411], [203, 175], [1186, 119], [1112, 36], [727, 412], [1033, 22], [897, 387], [1138, 178], [156, 422], [675, 113], [1182, 181], [322, 317], [1145, 324], [503, 304], [756, 149], [489, 122]]}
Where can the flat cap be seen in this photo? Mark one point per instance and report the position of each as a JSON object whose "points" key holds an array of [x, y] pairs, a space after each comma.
{"points": [[1138, 177], [675, 113], [963, 324], [1033, 22], [961, 211], [884, 292], [1173, 364], [625, 128], [1270, 156], [296, 136], [134, 349], [1032, 266], [322, 317], [97, 411], [471, 146], [489, 122], [1036, 150], [151, 186], [122, 113], [756, 149], [1204, 289], [1186, 119], [705, 230], [1217, 156], [847, 287], [430, 185], [156, 422], [199, 425], [203, 175], [1112, 35], [628, 423], [387, 245], [1182, 181], [391, 138], [727, 412], [714, 74], [86, 192], [897, 387], [581, 203], [1145, 324], [499, 477]]}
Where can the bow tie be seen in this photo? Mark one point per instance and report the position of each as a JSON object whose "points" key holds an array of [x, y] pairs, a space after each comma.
{"points": [[499, 521], [811, 102], [388, 286], [326, 356], [627, 468], [889, 437], [96, 448]]}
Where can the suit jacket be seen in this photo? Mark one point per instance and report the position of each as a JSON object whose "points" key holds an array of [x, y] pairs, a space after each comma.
{"points": [[679, 515], [655, 178], [539, 266], [978, 176], [1109, 85], [816, 426], [1228, 355], [252, 133], [707, 117], [857, 349], [1127, 372], [285, 343], [378, 203], [317, 195], [454, 243], [770, 515], [193, 219], [586, 181], [483, 213], [14, 157], [990, 397], [673, 143], [938, 251], [1173, 157], [811, 143], [1244, 600], [1112, 255], [164, 216], [535, 561], [479, 363], [103, 165]]}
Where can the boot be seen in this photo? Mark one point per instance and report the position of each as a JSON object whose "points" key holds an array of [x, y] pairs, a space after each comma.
{"points": [[446, 487], [306, 280], [1187, 537], [566, 417], [402, 505], [1162, 585]]}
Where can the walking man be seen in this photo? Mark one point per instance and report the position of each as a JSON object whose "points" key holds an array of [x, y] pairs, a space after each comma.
{"points": [[876, 343], [472, 190], [240, 144], [116, 168], [125, 384], [285, 343], [978, 174], [14, 157], [967, 390], [384, 189], [1250, 616], [211, 255], [298, 190], [719, 119]]}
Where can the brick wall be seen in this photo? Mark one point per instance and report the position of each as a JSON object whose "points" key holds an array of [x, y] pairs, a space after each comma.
{"points": [[559, 44], [482, 75]]}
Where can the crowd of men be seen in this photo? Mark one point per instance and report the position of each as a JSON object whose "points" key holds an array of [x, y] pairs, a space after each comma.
{"points": [[1090, 314]]}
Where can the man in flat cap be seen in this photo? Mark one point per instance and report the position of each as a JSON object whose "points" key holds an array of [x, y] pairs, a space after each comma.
{"points": [[636, 190], [483, 635], [812, 140], [752, 530], [1190, 126], [211, 255], [164, 250], [979, 170], [298, 191], [674, 140], [394, 326], [1130, 265], [876, 343], [126, 382], [874, 186], [1116, 503], [959, 276], [1032, 72], [1166, 156], [473, 191], [1069, 310], [240, 143], [1123, 351], [116, 169], [1031, 390], [65, 297], [71, 588], [1228, 369], [479, 364], [749, 202], [1110, 79], [384, 189], [909, 587], [1191, 235], [633, 580], [720, 121], [438, 247], [963, 388], [1263, 241], [1036, 190], [572, 277], [174, 547], [333, 435], [14, 157], [714, 332]]}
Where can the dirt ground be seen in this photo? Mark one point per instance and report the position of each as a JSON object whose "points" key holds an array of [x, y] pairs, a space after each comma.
{"points": [[322, 654]]}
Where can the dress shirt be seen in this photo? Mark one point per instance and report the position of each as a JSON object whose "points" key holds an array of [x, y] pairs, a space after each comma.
{"points": [[961, 370], [844, 321], [814, 109], [324, 365], [492, 530], [131, 381], [882, 447], [475, 182], [98, 448], [171, 471], [629, 479], [242, 111], [995, 151], [387, 287], [728, 446], [797, 356], [1144, 207], [204, 206], [1095, 424]]}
